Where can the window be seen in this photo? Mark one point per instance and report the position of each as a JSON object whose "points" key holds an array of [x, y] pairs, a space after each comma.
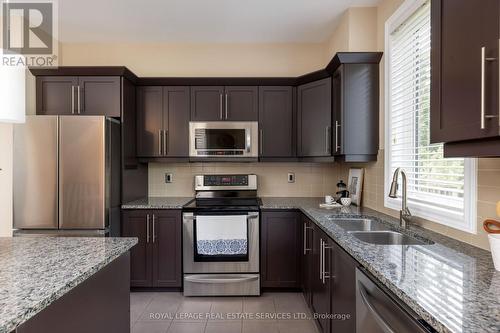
{"points": [[439, 189]]}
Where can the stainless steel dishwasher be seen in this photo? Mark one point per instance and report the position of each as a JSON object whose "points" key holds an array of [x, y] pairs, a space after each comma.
{"points": [[377, 312]]}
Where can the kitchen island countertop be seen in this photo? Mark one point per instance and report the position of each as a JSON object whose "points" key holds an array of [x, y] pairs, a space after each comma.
{"points": [[36, 271]]}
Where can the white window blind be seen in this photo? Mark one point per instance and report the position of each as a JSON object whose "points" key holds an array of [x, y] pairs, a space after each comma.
{"points": [[436, 186]]}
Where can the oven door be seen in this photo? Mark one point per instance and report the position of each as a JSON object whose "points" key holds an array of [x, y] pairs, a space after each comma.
{"points": [[221, 242], [223, 139]]}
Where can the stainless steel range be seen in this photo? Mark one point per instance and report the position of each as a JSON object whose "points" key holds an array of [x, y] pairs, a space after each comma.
{"points": [[221, 237]]}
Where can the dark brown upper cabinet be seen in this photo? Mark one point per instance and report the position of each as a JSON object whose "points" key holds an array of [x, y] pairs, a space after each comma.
{"points": [[218, 103], [276, 122], [314, 118], [355, 98], [156, 260], [463, 77], [73, 95], [100, 96], [281, 249], [163, 121]]}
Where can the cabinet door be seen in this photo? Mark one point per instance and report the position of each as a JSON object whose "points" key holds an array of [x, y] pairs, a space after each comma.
{"points": [[149, 121], [337, 106], [307, 259], [321, 292], [56, 95], [241, 103], [343, 290], [99, 96], [281, 246], [167, 256], [314, 118], [176, 121], [276, 107], [207, 103], [135, 224], [456, 64]]}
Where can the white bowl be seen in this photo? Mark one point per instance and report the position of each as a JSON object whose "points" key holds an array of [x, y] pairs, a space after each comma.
{"points": [[345, 201]]}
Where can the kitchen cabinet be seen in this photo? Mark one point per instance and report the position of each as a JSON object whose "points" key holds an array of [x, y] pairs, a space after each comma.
{"points": [[343, 290], [78, 95], [135, 223], [276, 107], [308, 230], [156, 260], [163, 121], [219, 103], [281, 249], [314, 118], [321, 279], [355, 98], [463, 77]]}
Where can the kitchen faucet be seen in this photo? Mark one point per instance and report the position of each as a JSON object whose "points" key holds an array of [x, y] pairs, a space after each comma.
{"points": [[404, 213]]}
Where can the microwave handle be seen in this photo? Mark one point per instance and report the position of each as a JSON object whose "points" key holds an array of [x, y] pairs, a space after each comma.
{"points": [[248, 140]]}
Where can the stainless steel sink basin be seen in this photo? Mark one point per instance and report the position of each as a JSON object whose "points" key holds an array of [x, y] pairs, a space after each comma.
{"points": [[359, 224], [386, 238]]}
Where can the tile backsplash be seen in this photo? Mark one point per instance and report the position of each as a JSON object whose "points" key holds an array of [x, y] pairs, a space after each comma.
{"points": [[311, 179]]}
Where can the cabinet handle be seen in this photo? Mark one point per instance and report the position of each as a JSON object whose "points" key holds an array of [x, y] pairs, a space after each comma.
{"points": [[165, 140], [154, 234], [160, 148], [147, 228], [483, 87], [325, 274], [72, 99], [220, 106], [226, 105], [337, 126], [327, 139], [78, 99], [305, 238], [320, 259], [261, 142]]}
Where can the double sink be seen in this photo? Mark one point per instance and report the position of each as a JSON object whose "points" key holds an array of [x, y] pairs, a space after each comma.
{"points": [[374, 232]]}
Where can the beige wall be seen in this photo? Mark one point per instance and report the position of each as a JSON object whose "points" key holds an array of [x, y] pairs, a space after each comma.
{"points": [[199, 59], [356, 32], [311, 179]]}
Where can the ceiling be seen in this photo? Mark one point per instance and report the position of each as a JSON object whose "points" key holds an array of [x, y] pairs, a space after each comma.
{"points": [[201, 21]]}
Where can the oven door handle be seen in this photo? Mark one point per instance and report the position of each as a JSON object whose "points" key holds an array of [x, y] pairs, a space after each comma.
{"points": [[197, 279]]}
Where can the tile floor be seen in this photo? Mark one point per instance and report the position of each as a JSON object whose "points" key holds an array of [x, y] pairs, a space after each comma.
{"points": [[162, 312]]}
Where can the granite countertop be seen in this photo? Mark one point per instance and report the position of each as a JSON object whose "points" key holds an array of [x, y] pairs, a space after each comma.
{"points": [[453, 286], [158, 203], [34, 272]]}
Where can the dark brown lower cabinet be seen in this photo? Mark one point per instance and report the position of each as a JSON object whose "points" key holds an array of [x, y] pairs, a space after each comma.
{"points": [[280, 249], [328, 280], [321, 279], [307, 258], [156, 261], [343, 291]]}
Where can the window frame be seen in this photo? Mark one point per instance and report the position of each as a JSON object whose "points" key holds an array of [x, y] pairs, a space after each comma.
{"points": [[465, 222]]}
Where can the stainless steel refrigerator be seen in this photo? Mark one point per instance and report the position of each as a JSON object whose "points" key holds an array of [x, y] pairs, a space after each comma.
{"points": [[67, 175]]}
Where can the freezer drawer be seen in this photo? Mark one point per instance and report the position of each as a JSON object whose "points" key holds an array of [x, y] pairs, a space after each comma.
{"points": [[221, 285], [35, 172]]}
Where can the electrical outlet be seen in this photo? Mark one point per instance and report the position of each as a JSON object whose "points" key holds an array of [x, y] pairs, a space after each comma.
{"points": [[169, 178], [291, 177]]}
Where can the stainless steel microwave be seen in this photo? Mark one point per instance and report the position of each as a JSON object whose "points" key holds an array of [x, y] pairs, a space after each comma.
{"points": [[223, 139]]}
